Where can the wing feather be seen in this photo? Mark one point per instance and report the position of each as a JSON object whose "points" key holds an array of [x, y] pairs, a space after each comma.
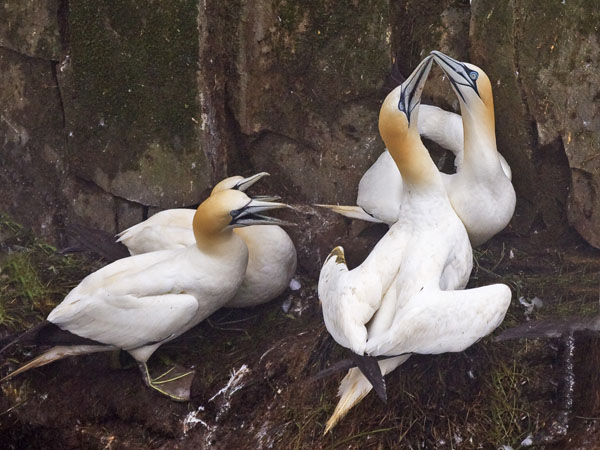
{"points": [[127, 321], [437, 321]]}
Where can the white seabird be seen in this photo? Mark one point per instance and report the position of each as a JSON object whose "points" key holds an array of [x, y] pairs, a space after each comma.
{"points": [[480, 191], [272, 256], [138, 303], [407, 297]]}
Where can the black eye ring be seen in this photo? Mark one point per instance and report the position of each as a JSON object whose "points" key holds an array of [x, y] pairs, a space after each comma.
{"points": [[473, 75]]}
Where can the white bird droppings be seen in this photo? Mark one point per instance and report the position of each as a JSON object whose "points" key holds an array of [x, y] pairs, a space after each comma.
{"points": [[235, 383], [295, 284], [191, 420], [527, 441]]}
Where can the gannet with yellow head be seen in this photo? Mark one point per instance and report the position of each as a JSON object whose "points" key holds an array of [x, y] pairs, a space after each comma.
{"points": [[480, 191], [405, 297], [272, 255], [172, 228], [138, 303]]}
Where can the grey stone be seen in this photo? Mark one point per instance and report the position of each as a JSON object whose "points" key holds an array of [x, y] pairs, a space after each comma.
{"points": [[131, 100], [32, 143], [90, 205], [32, 27], [305, 72], [128, 214], [543, 59]]}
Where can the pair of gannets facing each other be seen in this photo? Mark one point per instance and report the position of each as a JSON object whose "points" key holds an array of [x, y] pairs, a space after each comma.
{"points": [[480, 191], [407, 296], [272, 255], [140, 302]]}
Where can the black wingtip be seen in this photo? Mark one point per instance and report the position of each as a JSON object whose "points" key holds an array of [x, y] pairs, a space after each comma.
{"points": [[99, 242], [369, 366], [47, 333], [344, 364]]}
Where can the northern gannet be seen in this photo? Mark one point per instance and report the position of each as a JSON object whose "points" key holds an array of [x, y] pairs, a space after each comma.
{"points": [[272, 255], [140, 302], [172, 228], [480, 191], [407, 297]]}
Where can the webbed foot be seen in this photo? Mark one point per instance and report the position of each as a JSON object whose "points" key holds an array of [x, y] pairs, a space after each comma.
{"points": [[175, 383]]}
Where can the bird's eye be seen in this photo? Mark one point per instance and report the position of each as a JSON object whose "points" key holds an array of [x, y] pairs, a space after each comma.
{"points": [[474, 75], [401, 104]]}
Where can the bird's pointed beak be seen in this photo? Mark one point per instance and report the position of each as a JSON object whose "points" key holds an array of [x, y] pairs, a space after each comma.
{"points": [[248, 215], [245, 183], [412, 88], [458, 73], [268, 198]]}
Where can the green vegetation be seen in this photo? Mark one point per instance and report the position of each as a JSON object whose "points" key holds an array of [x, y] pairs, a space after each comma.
{"points": [[34, 277], [493, 394]]}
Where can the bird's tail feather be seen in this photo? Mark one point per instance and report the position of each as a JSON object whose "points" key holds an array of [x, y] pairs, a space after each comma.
{"points": [[352, 212], [355, 386], [46, 333], [56, 353]]}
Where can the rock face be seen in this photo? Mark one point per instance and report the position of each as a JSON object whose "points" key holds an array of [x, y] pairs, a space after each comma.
{"points": [[109, 113], [559, 53], [130, 96], [33, 144], [306, 102], [33, 28], [548, 117]]}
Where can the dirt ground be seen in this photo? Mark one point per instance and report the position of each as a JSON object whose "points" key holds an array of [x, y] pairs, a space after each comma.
{"points": [[253, 386]]}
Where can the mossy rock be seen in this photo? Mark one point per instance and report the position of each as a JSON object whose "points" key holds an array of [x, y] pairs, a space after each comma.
{"points": [[131, 100]]}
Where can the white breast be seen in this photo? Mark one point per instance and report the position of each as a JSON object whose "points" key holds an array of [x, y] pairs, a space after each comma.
{"points": [[271, 265], [272, 255]]}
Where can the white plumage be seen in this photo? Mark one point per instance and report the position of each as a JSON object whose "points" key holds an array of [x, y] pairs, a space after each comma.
{"points": [[480, 191], [407, 297], [140, 302], [272, 255]]}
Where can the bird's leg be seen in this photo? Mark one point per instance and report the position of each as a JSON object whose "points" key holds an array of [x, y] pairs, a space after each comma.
{"points": [[174, 383]]}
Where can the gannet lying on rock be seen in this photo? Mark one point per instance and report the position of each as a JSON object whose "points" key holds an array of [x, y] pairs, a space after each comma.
{"points": [[272, 255], [406, 296], [138, 303], [480, 191]]}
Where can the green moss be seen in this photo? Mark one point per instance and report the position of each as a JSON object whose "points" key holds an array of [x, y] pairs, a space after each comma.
{"points": [[339, 49], [134, 73], [34, 277], [507, 418]]}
